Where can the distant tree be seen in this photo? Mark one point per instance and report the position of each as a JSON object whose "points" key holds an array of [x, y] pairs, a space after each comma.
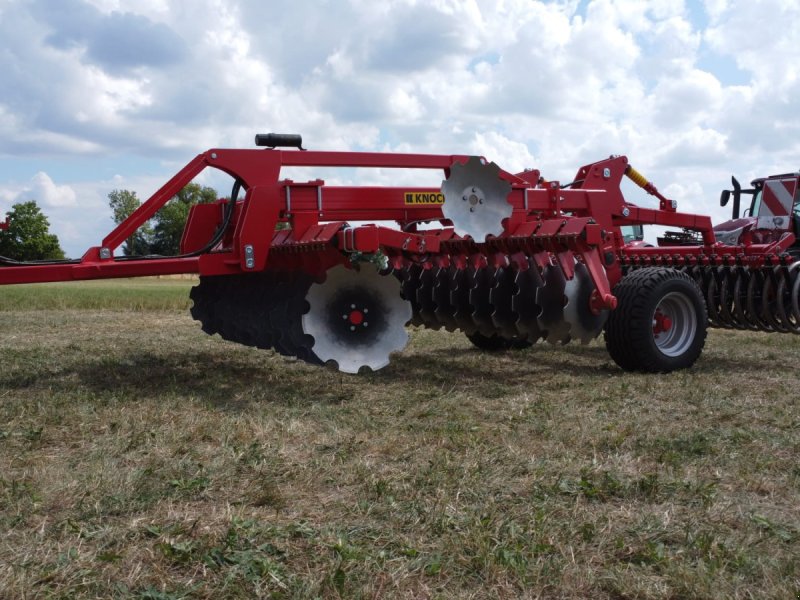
{"points": [[123, 203], [28, 235], [171, 219], [162, 234]]}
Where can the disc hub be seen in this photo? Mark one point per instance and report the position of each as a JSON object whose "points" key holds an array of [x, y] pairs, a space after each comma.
{"points": [[356, 317], [473, 196]]}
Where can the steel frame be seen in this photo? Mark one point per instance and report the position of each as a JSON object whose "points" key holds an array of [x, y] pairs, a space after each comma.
{"points": [[548, 221]]}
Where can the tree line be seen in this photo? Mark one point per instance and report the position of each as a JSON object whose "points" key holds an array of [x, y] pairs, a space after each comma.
{"points": [[27, 235], [162, 234]]}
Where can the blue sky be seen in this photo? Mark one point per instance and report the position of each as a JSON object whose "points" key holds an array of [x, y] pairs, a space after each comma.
{"points": [[99, 95]]}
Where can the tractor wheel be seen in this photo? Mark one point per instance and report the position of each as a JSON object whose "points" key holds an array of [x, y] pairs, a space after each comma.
{"points": [[660, 321], [495, 343]]}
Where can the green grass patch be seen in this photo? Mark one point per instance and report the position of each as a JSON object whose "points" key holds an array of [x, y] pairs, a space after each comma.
{"points": [[140, 458], [141, 294]]}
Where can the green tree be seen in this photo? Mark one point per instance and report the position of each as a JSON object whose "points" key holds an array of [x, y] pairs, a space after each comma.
{"points": [[28, 235], [171, 219], [162, 234], [123, 203]]}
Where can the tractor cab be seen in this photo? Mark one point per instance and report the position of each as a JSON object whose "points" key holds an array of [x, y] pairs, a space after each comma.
{"points": [[774, 210]]}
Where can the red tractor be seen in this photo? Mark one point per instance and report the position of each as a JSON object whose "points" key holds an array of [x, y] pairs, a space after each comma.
{"points": [[773, 213], [508, 259]]}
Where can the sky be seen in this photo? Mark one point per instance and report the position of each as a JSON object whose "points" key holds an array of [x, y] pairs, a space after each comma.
{"points": [[97, 95]]}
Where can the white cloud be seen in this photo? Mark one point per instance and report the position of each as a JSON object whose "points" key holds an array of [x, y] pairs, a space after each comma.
{"points": [[512, 156], [550, 85], [685, 101], [46, 193], [43, 188]]}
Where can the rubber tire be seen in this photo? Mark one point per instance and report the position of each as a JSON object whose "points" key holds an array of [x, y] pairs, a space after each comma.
{"points": [[496, 343], [629, 329]]}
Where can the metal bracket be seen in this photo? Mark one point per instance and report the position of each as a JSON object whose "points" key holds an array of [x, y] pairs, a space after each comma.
{"points": [[249, 256]]}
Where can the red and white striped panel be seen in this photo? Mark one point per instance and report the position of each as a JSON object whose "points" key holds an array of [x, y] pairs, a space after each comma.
{"points": [[776, 203]]}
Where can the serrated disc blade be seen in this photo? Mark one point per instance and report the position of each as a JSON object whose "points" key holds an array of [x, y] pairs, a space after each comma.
{"points": [[278, 319], [460, 285], [504, 317], [357, 318], [550, 298], [476, 198], [409, 278], [740, 299], [482, 282], [425, 301], [528, 282], [300, 342], [584, 324], [445, 311]]}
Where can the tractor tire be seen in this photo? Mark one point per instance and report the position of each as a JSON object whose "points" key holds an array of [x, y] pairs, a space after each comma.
{"points": [[660, 321], [496, 343]]}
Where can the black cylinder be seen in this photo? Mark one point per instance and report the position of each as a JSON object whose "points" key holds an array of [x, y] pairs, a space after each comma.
{"points": [[279, 140]]}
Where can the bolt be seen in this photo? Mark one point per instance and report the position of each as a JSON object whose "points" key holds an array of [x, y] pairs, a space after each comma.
{"points": [[625, 211], [105, 253], [352, 327], [365, 323], [213, 155], [606, 172]]}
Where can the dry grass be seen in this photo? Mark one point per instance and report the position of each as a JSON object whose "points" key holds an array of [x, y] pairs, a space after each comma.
{"points": [[140, 458]]}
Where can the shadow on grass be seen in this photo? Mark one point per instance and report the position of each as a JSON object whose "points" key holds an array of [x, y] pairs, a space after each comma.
{"points": [[232, 378], [541, 360], [237, 379], [230, 382]]}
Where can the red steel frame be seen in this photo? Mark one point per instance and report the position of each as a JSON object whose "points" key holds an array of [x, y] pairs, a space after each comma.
{"points": [[547, 222]]}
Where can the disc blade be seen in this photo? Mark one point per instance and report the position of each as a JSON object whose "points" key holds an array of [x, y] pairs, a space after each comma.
{"points": [[550, 298], [409, 278], [460, 285], [445, 310], [482, 282], [501, 296], [476, 198], [584, 325], [356, 317], [528, 282], [425, 301]]}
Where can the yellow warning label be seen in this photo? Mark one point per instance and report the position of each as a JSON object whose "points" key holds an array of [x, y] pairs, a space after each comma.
{"points": [[417, 198]]}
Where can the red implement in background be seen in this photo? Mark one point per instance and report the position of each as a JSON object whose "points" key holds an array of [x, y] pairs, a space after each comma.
{"points": [[507, 258]]}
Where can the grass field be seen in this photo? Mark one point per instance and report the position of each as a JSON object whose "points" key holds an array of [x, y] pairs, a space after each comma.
{"points": [[140, 458]]}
